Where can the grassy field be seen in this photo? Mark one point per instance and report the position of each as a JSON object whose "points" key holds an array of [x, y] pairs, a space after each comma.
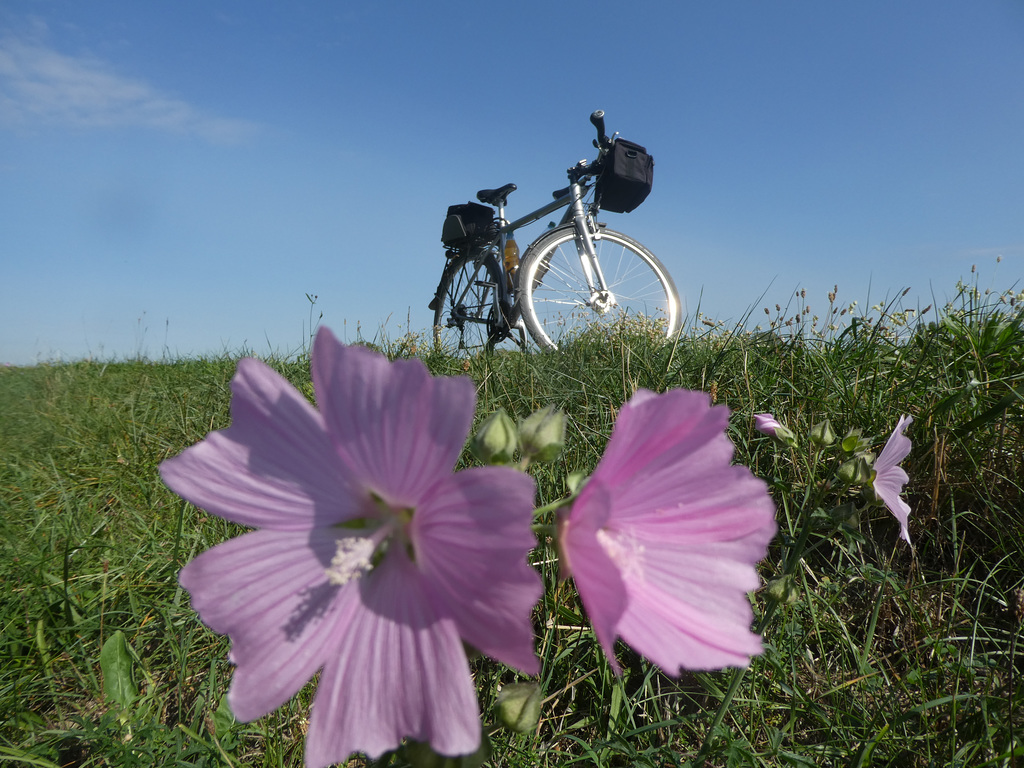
{"points": [[882, 655]]}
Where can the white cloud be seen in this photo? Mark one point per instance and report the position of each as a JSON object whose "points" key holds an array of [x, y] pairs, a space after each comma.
{"points": [[40, 86]]}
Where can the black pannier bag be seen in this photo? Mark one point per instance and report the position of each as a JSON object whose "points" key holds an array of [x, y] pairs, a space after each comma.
{"points": [[467, 222], [627, 177]]}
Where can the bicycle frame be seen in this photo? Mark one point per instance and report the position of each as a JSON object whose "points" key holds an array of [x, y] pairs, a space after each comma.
{"points": [[580, 219], [576, 214]]}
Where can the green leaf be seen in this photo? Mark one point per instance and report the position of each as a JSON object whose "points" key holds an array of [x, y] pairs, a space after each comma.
{"points": [[223, 718], [993, 413], [116, 664], [17, 756], [518, 706]]}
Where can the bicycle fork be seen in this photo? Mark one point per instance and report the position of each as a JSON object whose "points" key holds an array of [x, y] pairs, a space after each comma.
{"points": [[601, 298]]}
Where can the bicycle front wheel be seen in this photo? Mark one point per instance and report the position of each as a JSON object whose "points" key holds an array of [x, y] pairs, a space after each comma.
{"points": [[466, 316], [558, 302]]}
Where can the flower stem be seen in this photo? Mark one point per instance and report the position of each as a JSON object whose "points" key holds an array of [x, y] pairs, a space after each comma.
{"points": [[553, 506], [543, 530]]}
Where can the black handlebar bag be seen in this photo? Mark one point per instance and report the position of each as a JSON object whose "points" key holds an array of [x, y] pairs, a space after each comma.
{"points": [[627, 177]]}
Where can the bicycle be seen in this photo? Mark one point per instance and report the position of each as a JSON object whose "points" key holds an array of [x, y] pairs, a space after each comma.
{"points": [[572, 276]]}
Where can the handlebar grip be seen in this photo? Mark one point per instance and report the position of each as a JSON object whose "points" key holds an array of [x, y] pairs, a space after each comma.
{"points": [[597, 118]]}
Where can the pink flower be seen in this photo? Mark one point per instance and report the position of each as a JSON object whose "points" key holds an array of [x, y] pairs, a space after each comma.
{"points": [[372, 562], [663, 539], [769, 425], [766, 424], [890, 478]]}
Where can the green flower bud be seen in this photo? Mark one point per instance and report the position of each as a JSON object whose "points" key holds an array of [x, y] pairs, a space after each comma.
{"points": [[518, 706], [542, 434], [575, 481], [854, 443], [856, 471], [785, 436], [783, 590], [496, 440], [822, 434]]}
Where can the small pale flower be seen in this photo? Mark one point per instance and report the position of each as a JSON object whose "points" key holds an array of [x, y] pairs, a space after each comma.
{"points": [[663, 539], [769, 425], [890, 477], [373, 562], [766, 424]]}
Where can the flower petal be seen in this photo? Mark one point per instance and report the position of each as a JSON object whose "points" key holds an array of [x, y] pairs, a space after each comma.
{"points": [[715, 506], [888, 484], [668, 452], [268, 591], [274, 467], [655, 434], [598, 580], [395, 425], [472, 537], [897, 447], [766, 423], [688, 605], [396, 671]]}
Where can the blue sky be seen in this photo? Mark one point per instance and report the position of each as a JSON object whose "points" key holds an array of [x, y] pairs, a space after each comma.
{"points": [[175, 177]]}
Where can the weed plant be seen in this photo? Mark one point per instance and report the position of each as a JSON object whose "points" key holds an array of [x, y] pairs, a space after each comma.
{"points": [[883, 656]]}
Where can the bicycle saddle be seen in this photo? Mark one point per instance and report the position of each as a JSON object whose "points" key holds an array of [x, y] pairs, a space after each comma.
{"points": [[497, 196]]}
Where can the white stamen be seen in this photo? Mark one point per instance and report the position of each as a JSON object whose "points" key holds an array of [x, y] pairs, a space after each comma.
{"points": [[351, 560]]}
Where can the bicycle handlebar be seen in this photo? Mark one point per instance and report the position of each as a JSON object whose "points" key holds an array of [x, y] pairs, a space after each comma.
{"points": [[603, 143], [597, 118]]}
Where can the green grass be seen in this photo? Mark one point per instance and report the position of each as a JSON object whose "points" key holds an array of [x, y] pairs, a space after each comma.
{"points": [[886, 656]]}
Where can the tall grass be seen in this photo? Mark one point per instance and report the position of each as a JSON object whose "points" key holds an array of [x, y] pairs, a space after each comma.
{"points": [[887, 656]]}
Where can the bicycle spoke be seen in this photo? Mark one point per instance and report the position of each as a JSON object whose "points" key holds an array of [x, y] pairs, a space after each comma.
{"points": [[465, 317]]}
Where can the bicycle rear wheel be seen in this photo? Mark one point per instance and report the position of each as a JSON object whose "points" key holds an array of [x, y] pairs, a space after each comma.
{"points": [[466, 316], [557, 303]]}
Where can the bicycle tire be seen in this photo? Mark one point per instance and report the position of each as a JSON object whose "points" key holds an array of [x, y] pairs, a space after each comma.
{"points": [[555, 299], [464, 320]]}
